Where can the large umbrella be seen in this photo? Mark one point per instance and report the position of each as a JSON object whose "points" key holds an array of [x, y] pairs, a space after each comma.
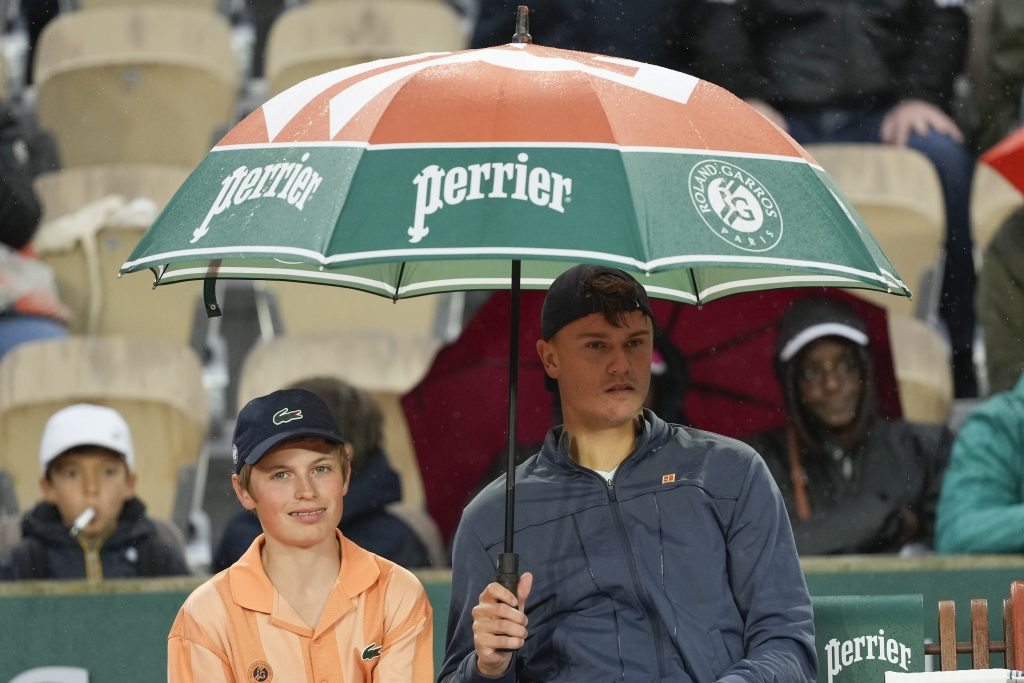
{"points": [[433, 172]]}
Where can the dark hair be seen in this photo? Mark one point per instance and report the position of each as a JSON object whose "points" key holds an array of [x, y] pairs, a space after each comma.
{"points": [[612, 295]]}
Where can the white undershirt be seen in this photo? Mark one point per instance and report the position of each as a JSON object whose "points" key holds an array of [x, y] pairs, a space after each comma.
{"points": [[607, 475]]}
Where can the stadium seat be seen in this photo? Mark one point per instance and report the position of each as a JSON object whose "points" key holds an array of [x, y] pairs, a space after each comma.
{"points": [[155, 384], [313, 309], [321, 37], [993, 199], [897, 192], [69, 189], [143, 84], [923, 364], [93, 4], [385, 364], [86, 249]]}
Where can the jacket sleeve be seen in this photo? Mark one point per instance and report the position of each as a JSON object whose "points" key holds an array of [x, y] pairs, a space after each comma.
{"points": [[768, 586], [189, 660], [472, 571], [938, 52], [980, 509]]}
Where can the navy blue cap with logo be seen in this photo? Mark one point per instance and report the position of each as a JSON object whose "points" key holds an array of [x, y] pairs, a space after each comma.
{"points": [[280, 416]]}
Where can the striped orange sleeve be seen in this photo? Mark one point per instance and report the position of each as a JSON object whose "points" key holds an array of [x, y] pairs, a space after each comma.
{"points": [[192, 656], [408, 652]]}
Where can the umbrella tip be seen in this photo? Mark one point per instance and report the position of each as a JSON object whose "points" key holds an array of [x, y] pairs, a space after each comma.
{"points": [[522, 34]]}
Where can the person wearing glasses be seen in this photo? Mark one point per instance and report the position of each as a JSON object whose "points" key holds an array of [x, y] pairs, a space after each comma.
{"points": [[853, 482]]}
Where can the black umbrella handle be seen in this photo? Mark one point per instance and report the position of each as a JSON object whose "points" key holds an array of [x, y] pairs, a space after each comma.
{"points": [[508, 572]]}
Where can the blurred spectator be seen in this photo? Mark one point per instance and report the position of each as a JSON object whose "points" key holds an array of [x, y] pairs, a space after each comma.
{"points": [[90, 524], [1000, 302], [999, 85], [669, 377], [854, 71], [367, 521], [657, 33], [29, 306], [852, 481], [982, 505]]}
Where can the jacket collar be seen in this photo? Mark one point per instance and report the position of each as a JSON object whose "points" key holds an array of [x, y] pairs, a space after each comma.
{"points": [[556, 445]]}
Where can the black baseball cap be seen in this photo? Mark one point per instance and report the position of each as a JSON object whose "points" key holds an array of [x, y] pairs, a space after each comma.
{"points": [[568, 300], [266, 421]]}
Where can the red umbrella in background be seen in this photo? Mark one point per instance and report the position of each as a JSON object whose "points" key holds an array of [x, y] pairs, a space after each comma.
{"points": [[1007, 157], [458, 417], [729, 347]]}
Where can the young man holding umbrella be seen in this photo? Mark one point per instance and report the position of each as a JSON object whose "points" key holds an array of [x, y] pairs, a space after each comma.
{"points": [[653, 551]]}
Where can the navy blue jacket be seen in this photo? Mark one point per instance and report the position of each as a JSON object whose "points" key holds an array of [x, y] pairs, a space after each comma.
{"points": [[48, 551], [682, 569]]}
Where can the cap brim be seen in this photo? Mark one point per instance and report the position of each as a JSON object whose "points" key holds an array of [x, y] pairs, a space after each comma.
{"points": [[816, 332], [261, 449]]}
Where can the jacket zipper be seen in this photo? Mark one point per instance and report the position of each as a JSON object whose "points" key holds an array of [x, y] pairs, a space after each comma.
{"points": [[634, 574]]}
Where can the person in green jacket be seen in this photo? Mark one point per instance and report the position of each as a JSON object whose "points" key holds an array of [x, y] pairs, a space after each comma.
{"points": [[981, 507]]}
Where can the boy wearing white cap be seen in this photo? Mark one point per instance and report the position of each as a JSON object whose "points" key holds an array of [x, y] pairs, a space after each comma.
{"points": [[89, 524]]}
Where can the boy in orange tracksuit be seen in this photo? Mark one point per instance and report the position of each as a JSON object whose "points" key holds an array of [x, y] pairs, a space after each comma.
{"points": [[303, 603]]}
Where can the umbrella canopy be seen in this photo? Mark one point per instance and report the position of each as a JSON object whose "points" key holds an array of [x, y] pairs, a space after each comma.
{"points": [[429, 173], [1007, 157], [456, 413]]}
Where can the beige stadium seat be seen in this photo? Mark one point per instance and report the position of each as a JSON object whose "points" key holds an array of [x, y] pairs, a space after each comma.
{"points": [[317, 38], [143, 84], [923, 364], [93, 4], [69, 189], [897, 192], [993, 199], [85, 249], [155, 384], [311, 309], [385, 364]]}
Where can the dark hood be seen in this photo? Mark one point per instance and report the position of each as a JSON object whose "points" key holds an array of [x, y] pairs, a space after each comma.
{"points": [[803, 314], [378, 486]]}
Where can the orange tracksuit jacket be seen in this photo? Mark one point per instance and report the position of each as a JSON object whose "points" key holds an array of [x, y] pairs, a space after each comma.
{"points": [[377, 625]]}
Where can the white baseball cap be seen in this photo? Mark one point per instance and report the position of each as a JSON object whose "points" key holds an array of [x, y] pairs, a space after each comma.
{"points": [[84, 424]]}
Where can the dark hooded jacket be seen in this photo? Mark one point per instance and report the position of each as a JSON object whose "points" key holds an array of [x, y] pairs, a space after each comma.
{"points": [[48, 551], [857, 496], [365, 521]]}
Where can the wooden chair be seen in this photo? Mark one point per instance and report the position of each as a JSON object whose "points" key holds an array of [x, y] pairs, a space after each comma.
{"points": [[136, 83], [320, 37], [155, 384], [980, 647], [896, 191]]}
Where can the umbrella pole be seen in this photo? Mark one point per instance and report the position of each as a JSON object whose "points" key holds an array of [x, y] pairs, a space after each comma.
{"points": [[508, 561]]}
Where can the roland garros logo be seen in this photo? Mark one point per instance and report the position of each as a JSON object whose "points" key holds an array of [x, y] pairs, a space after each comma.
{"points": [[735, 205], [437, 188]]}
